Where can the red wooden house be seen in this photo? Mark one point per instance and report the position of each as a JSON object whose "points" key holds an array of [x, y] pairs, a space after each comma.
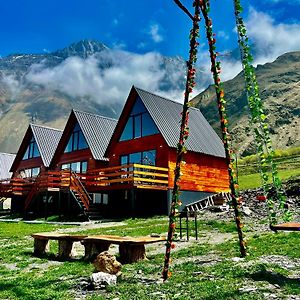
{"points": [[145, 138], [34, 155]]}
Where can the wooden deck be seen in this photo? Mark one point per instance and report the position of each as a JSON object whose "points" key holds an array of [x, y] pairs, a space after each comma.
{"points": [[113, 178]]}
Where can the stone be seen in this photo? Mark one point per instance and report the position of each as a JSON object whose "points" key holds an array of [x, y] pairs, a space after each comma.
{"points": [[246, 210], [100, 280], [106, 262]]}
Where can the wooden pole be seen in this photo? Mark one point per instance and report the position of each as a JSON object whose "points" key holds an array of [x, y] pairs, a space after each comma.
{"points": [[184, 132]]}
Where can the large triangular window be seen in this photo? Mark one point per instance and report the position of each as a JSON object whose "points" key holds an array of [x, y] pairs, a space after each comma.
{"points": [[32, 150], [139, 123], [77, 140]]}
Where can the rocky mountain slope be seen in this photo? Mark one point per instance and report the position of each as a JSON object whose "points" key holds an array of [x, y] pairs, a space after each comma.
{"points": [[280, 91], [29, 91]]}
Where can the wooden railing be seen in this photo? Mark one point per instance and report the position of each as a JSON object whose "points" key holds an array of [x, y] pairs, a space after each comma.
{"points": [[143, 176], [15, 186], [77, 186]]}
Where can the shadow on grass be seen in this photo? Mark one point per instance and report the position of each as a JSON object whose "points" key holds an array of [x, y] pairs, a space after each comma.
{"points": [[273, 278]]}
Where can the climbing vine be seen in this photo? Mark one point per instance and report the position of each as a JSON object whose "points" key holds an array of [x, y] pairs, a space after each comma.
{"points": [[230, 157], [184, 132], [259, 124]]}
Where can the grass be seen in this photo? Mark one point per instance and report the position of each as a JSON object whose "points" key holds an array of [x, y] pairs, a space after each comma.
{"points": [[212, 275]]}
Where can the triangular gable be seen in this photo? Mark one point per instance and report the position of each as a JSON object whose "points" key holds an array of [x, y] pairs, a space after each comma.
{"points": [[166, 115], [46, 139], [96, 130], [6, 161]]}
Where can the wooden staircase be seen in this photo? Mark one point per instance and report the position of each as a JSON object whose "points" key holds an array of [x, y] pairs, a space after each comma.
{"points": [[79, 193], [35, 189]]}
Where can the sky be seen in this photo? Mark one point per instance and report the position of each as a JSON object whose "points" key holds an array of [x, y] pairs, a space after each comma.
{"points": [[140, 32]]}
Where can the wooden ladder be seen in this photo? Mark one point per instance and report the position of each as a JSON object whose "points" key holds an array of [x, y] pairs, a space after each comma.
{"points": [[206, 202]]}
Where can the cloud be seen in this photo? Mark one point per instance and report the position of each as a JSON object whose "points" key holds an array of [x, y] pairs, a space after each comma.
{"points": [[13, 85], [110, 83], [222, 34], [155, 33], [271, 39]]}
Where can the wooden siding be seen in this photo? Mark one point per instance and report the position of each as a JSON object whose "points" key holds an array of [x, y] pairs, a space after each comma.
{"points": [[151, 142], [200, 173], [35, 162]]}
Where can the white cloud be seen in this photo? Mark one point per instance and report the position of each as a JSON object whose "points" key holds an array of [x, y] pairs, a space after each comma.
{"points": [[13, 85], [79, 77], [271, 39], [222, 34], [155, 33]]}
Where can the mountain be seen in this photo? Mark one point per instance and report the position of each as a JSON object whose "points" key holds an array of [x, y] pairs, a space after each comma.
{"points": [[43, 88], [279, 83]]}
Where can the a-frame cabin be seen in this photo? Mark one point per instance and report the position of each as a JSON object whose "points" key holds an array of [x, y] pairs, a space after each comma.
{"points": [[33, 157], [144, 145]]}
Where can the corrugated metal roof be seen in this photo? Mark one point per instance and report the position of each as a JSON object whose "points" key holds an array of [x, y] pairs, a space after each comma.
{"points": [[47, 140], [6, 161], [167, 117], [97, 131]]}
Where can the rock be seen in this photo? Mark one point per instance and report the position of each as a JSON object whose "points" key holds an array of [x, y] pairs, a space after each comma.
{"points": [[246, 210], [100, 280], [106, 262]]}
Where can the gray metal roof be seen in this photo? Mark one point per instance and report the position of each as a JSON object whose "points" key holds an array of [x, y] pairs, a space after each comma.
{"points": [[6, 161], [47, 140], [167, 117], [97, 131]]}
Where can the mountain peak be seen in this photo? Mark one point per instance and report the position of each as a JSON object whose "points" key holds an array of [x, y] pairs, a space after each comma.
{"points": [[83, 48]]}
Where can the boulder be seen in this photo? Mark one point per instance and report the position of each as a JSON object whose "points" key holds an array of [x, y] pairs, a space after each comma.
{"points": [[106, 262], [100, 280]]}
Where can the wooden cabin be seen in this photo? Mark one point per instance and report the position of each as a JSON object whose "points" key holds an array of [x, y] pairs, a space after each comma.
{"points": [[124, 167], [144, 146], [33, 157]]}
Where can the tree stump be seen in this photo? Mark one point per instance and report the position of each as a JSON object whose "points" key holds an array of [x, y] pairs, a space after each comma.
{"points": [[92, 248], [130, 253], [64, 248], [40, 246]]}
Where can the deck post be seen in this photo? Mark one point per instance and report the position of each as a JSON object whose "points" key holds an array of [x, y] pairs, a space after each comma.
{"points": [[133, 202], [46, 205], [59, 204]]}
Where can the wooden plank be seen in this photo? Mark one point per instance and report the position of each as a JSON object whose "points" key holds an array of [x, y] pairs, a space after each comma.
{"points": [[286, 227], [151, 174], [151, 187], [150, 167], [150, 180]]}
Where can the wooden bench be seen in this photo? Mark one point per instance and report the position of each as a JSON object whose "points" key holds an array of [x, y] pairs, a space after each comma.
{"points": [[131, 249], [286, 227], [65, 243]]}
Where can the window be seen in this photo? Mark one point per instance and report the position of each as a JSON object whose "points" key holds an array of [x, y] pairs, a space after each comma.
{"points": [[139, 123], [100, 198], [145, 158], [32, 150], [77, 167], [77, 140], [28, 173]]}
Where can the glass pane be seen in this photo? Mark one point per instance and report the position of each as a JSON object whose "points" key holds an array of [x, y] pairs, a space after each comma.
{"points": [[76, 127], [83, 166], [69, 146], [75, 141], [26, 155], [124, 160], [135, 158], [35, 172], [148, 126], [97, 198], [35, 150], [75, 167], [65, 166], [138, 126], [138, 107], [105, 199], [149, 157], [82, 144], [27, 173], [128, 131]]}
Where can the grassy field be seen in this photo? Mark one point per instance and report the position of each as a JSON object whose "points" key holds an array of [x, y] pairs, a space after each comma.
{"points": [[287, 161], [201, 270]]}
